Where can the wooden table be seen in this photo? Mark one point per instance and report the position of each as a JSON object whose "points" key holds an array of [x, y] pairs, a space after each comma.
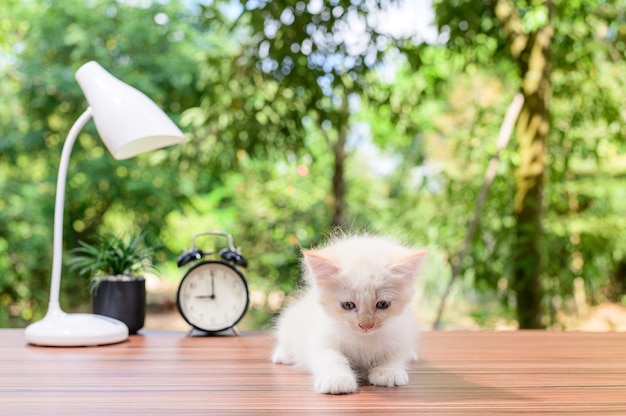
{"points": [[459, 373]]}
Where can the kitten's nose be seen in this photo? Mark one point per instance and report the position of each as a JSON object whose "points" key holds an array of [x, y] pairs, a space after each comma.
{"points": [[366, 327]]}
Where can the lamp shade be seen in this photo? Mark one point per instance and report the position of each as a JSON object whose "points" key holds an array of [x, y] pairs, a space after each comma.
{"points": [[128, 122]]}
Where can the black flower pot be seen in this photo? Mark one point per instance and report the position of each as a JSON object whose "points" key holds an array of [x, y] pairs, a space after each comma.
{"points": [[123, 300]]}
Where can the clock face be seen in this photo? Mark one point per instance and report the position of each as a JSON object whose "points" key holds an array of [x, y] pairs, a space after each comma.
{"points": [[213, 296]]}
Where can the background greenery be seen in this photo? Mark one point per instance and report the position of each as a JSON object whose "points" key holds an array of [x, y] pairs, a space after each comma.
{"points": [[295, 125]]}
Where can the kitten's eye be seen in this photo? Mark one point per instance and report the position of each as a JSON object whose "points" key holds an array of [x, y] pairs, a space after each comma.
{"points": [[348, 306], [383, 304]]}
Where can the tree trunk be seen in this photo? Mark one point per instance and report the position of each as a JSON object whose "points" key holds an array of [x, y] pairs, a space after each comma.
{"points": [[532, 132], [532, 52], [339, 180]]}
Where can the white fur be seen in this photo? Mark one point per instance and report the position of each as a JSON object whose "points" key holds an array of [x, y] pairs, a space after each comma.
{"points": [[317, 334]]}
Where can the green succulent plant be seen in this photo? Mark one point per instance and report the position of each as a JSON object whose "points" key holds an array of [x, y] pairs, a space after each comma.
{"points": [[112, 257]]}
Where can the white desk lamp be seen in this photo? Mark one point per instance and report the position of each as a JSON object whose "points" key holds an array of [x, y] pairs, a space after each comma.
{"points": [[129, 123]]}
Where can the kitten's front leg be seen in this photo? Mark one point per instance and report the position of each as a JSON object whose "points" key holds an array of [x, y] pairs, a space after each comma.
{"points": [[332, 373], [389, 374]]}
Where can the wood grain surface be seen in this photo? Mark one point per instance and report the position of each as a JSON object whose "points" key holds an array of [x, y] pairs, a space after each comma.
{"points": [[459, 373]]}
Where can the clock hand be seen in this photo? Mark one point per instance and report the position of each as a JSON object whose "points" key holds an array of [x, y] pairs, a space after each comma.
{"points": [[212, 296]]}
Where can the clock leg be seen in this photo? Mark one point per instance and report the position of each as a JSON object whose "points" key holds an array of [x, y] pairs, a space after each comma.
{"points": [[235, 330]]}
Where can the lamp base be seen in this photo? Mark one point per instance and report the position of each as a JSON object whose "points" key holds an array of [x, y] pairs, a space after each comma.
{"points": [[60, 329]]}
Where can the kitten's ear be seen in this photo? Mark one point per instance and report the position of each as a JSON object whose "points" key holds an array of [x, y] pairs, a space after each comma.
{"points": [[407, 266], [322, 269]]}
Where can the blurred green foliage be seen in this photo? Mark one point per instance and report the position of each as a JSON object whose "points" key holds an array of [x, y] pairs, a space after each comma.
{"points": [[263, 91]]}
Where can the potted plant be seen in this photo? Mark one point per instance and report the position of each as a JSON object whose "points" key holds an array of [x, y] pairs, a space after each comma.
{"points": [[116, 267]]}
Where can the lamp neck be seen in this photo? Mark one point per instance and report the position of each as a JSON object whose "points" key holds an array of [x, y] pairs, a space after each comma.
{"points": [[57, 256]]}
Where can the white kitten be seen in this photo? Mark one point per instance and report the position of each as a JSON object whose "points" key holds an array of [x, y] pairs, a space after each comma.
{"points": [[354, 321]]}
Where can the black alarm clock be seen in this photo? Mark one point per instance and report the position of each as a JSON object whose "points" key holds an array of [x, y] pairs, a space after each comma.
{"points": [[213, 295]]}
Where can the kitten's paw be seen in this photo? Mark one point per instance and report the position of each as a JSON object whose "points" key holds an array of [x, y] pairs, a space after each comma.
{"points": [[279, 357], [337, 383], [413, 356], [388, 377]]}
